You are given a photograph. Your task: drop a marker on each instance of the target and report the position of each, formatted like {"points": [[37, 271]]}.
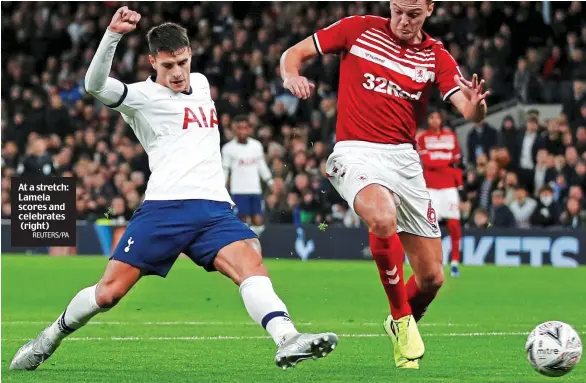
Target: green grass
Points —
{"points": [[474, 332]]}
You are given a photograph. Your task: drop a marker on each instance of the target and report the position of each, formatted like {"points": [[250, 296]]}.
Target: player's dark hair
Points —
{"points": [[167, 37], [240, 118]]}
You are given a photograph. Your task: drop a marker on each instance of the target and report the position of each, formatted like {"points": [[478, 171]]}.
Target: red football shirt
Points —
{"points": [[384, 84], [439, 150]]}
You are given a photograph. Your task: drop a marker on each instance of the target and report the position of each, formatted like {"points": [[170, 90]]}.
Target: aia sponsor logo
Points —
{"points": [[203, 119], [247, 161]]}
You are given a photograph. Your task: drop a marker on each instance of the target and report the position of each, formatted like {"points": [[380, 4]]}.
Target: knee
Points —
{"points": [[241, 260], [383, 224], [109, 293], [433, 280]]}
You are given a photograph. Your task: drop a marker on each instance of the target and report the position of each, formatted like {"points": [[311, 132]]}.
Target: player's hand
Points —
{"points": [[124, 21], [299, 86], [473, 90]]}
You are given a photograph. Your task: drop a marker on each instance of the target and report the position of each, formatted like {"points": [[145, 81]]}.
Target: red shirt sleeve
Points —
{"points": [[447, 68], [457, 158], [337, 37]]}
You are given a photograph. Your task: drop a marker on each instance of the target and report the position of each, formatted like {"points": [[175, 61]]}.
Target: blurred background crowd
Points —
{"points": [[515, 176]]}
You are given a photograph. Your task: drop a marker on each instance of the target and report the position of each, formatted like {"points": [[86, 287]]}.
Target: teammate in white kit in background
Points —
{"points": [[187, 208], [244, 166]]}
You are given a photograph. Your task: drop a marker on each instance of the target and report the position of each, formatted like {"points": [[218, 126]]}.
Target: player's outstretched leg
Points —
{"points": [[375, 204], [118, 279], [389, 257], [455, 230], [242, 262]]}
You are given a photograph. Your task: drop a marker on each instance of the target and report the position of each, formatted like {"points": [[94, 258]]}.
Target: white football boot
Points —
{"points": [[300, 347], [31, 355]]}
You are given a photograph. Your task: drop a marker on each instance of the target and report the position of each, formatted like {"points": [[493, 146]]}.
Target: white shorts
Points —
{"points": [[446, 203], [356, 164]]}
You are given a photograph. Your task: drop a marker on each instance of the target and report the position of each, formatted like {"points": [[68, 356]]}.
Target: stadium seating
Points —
{"points": [[48, 119]]}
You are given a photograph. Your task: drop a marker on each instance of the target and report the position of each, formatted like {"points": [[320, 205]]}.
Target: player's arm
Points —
{"points": [[263, 169], [467, 96], [332, 39], [457, 163], [226, 162], [108, 90]]}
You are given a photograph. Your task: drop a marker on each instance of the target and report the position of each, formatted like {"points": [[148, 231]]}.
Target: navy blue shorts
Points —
{"points": [[248, 204], [160, 230]]}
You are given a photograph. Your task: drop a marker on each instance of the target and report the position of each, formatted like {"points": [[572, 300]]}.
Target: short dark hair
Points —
{"points": [[167, 37], [241, 118]]}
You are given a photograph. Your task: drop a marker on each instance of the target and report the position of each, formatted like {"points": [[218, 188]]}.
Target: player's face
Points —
{"points": [[173, 69], [407, 17], [243, 131], [434, 121]]}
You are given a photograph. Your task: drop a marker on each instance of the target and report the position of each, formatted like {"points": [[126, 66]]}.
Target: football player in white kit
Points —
{"points": [[187, 208], [244, 166]]}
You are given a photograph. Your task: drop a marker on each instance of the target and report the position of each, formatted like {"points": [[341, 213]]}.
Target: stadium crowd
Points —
{"points": [[530, 175]]}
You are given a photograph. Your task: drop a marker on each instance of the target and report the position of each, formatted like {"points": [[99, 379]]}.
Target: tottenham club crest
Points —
{"points": [[420, 74]]}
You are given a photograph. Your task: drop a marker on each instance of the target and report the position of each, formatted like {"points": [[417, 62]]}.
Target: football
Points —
{"points": [[553, 348]]}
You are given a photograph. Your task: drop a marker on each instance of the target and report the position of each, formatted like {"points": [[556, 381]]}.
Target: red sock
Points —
{"points": [[455, 231], [389, 257], [418, 299]]}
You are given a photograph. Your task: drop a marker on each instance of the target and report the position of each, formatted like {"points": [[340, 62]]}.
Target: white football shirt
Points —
{"points": [[245, 163], [179, 131], [180, 134]]}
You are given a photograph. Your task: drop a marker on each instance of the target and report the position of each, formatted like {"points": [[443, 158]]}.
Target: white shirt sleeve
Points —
{"points": [[112, 92], [226, 160], [263, 168]]}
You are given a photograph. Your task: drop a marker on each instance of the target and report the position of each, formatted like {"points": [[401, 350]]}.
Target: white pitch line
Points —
{"points": [[250, 323], [188, 323], [222, 337]]}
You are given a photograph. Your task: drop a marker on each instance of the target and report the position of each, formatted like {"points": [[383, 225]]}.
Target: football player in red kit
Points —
{"points": [[387, 70], [440, 157]]}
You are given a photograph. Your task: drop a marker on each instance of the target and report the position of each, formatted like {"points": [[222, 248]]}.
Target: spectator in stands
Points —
{"points": [[38, 162], [522, 82], [573, 217], [522, 207], [548, 211], [574, 100], [552, 138], [481, 139], [500, 214], [509, 137], [581, 175], [580, 121], [43, 95], [528, 145], [481, 219], [509, 185], [544, 173], [487, 184]]}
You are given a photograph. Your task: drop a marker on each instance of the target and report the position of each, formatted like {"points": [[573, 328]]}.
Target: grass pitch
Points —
{"points": [[192, 326]]}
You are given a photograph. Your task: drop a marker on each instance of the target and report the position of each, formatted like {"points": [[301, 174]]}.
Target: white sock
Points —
{"points": [[266, 308], [80, 310], [257, 229]]}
